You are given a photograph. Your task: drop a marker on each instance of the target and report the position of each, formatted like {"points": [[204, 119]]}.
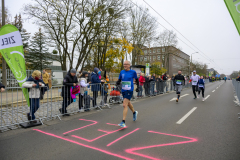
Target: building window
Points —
{"points": [[158, 58], [150, 51], [141, 58], [163, 49], [158, 50], [154, 51], [145, 58], [150, 58], [145, 51], [154, 58]]}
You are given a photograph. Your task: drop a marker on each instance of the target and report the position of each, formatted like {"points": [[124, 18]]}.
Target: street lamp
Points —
{"points": [[191, 61]]}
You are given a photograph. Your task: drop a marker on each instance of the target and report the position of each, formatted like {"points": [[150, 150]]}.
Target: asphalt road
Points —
{"points": [[187, 130]]}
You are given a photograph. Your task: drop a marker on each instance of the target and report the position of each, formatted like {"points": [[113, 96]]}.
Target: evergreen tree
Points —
{"points": [[25, 39], [39, 57]]}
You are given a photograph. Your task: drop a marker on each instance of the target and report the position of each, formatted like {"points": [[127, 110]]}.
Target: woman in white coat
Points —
{"points": [[34, 83]]}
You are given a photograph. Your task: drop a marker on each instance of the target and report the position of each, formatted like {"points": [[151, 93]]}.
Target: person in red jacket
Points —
{"points": [[141, 83]]}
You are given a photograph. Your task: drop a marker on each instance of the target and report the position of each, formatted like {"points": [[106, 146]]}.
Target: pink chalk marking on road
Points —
{"points": [[87, 146], [94, 122], [123, 137], [103, 131], [112, 124], [131, 150], [91, 140]]}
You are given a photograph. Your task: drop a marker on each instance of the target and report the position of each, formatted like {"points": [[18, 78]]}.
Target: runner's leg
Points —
{"points": [[131, 106], [203, 92], [194, 91], [125, 107]]}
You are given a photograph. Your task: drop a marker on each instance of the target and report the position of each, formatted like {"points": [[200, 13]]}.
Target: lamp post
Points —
{"points": [[191, 61]]}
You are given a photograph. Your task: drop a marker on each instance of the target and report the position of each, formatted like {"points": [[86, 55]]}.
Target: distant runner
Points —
{"points": [[194, 79], [126, 76], [179, 82], [201, 87]]}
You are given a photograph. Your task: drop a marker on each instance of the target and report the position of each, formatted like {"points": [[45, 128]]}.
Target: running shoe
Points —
{"points": [[122, 124], [195, 98], [135, 116], [176, 100], [203, 99]]}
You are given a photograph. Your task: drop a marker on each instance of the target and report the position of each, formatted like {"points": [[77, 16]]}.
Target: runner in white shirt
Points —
{"points": [[194, 79]]}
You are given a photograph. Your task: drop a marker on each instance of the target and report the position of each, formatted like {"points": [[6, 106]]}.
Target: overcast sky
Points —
{"points": [[207, 24]]}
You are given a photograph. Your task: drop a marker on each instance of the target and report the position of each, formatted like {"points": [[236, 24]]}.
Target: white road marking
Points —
{"points": [[206, 97], [174, 99], [186, 116], [184, 95], [217, 87], [213, 91]]}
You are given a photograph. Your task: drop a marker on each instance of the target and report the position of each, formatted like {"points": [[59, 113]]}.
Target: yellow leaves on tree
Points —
{"points": [[118, 49], [156, 67]]}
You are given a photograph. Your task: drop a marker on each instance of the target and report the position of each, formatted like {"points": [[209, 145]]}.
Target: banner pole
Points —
{"points": [[4, 68]]}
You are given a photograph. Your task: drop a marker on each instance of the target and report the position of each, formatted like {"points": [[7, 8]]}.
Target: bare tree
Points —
{"points": [[167, 40], [142, 29], [74, 25]]}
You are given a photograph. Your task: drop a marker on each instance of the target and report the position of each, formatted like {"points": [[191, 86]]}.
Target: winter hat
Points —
{"points": [[95, 70], [73, 71], [84, 73]]}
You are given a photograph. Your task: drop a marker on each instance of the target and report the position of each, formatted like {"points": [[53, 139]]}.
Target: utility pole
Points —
{"points": [[191, 62], [4, 68]]}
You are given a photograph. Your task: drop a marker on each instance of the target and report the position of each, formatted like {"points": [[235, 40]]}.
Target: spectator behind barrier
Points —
{"points": [[69, 81], [83, 88], [141, 83], [95, 85], [2, 87], [153, 79], [164, 77], [146, 85], [238, 79], [45, 77], [34, 83]]}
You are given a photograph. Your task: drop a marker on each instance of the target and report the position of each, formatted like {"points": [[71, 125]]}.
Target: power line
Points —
{"points": [[167, 29], [209, 59]]}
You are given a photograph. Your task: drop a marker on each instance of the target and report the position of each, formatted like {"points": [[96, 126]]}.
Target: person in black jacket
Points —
{"points": [[147, 86], [96, 82], [152, 85], [2, 87], [69, 80], [179, 82], [238, 79], [173, 82]]}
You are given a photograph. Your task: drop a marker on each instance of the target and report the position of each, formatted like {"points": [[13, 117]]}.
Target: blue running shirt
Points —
{"points": [[127, 79]]}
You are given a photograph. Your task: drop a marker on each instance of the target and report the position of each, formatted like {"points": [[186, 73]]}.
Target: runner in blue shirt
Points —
{"points": [[201, 87], [126, 76]]}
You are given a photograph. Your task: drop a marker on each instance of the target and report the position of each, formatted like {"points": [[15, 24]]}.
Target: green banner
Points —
{"points": [[11, 48], [234, 9]]}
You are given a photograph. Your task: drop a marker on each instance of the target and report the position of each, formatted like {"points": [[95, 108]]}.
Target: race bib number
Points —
{"points": [[201, 85], [179, 82], [126, 85], [195, 81]]}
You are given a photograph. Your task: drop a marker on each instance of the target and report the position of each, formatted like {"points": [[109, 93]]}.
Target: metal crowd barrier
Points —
{"points": [[236, 85], [52, 102]]}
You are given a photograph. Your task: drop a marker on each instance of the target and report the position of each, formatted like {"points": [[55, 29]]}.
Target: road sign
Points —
{"points": [[147, 69]]}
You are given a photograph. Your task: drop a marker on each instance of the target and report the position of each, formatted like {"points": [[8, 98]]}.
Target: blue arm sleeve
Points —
{"points": [[135, 75], [120, 76]]}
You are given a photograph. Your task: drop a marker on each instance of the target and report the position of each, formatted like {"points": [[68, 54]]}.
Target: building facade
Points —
{"points": [[170, 58]]}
